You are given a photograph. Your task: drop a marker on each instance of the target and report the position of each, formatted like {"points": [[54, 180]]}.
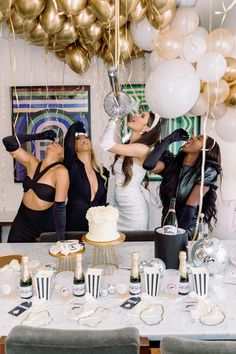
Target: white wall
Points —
{"points": [[22, 64]]}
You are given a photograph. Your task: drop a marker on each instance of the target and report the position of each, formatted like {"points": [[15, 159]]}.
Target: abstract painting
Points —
{"points": [[38, 108]]}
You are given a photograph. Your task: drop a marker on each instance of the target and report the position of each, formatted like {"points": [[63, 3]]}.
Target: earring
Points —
{"points": [[141, 133]]}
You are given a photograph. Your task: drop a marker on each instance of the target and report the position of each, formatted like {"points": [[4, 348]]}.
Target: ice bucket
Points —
{"points": [[167, 247]]}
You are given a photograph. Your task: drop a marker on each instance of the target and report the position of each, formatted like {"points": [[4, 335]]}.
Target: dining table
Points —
{"points": [[174, 317]]}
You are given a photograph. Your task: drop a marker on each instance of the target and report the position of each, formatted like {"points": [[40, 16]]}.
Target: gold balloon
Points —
{"points": [[216, 92], [20, 25], [29, 8], [72, 7], [85, 18], [37, 35], [61, 55], [68, 34], [52, 45], [126, 43], [50, 20], [122, 20], [103, 9], [107, 55], [77, 58], [161, 6], [5, 4], [231, 99], [139, 12], [4, 15], [230, 74], [93, 33], [128, 6], [161, 21], [92, 47], [137, 52]]}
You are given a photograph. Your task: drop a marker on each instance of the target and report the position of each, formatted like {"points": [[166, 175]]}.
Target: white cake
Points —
{"points": [[102, 224]]}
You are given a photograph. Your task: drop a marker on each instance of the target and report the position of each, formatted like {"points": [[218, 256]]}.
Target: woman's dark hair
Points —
{"points": [[151, 138], [213, 158], [169, 183]]}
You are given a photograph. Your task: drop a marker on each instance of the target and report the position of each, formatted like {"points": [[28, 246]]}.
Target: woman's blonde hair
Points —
{"points": [[97, 166]]}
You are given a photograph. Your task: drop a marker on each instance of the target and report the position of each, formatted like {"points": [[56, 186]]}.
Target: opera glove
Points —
{"points": [[108, 138], [60, 219], [12, 142], [155, 155]]}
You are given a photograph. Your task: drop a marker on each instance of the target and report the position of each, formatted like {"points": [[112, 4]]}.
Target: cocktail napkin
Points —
{"points": [[37, 315], [207, 313]]}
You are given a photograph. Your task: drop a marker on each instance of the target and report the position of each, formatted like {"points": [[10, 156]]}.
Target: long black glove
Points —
{"points": [[11, 144], [188, 220], [60, 219], [154, 156], [69, 143]]}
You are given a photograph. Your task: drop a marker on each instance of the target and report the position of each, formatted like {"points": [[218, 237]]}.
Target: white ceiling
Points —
{"points": [[207, 8]]}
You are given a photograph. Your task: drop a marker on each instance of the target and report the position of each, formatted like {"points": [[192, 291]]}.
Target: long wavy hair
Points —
{"points": [[151, 138], [169, 185], [97, 166], [70, 153]]}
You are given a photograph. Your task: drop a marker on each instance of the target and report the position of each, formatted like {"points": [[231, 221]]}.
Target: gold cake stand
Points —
{"points": [[104, 254], [66, 262]]}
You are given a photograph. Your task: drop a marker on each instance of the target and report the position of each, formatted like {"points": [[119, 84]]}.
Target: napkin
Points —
{"points": [[13, 265]]}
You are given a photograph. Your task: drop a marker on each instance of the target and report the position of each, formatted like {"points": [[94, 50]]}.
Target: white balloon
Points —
{"points": [[188, 3], [186, 20], [144, 34], [200, 106], [172, 88], [217, 111], [201, 32], [155, 60], [194, 47], [225, 126], [220, 40], [211, 66]]}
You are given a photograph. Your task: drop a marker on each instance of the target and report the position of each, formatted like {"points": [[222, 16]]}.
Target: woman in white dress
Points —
{"points": [[129, 173]]}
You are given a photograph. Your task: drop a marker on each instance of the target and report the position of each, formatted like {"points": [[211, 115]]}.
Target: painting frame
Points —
{"points": [[191, 124], [38, 108]]}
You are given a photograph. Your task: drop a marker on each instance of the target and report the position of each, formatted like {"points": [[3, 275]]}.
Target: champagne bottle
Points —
{"points": [[135, 278], [26, 288], [79, 280], [203, 228], [184, 278], [170, 224]]}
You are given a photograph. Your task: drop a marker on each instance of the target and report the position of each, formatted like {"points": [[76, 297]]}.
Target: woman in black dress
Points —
{"points": [[88, 179], [182, 177], [45, 189]]}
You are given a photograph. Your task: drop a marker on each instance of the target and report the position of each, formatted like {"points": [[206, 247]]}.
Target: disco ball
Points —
{"points": [[161, 265], [117, 106], [210, 253], [141, 266]]}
